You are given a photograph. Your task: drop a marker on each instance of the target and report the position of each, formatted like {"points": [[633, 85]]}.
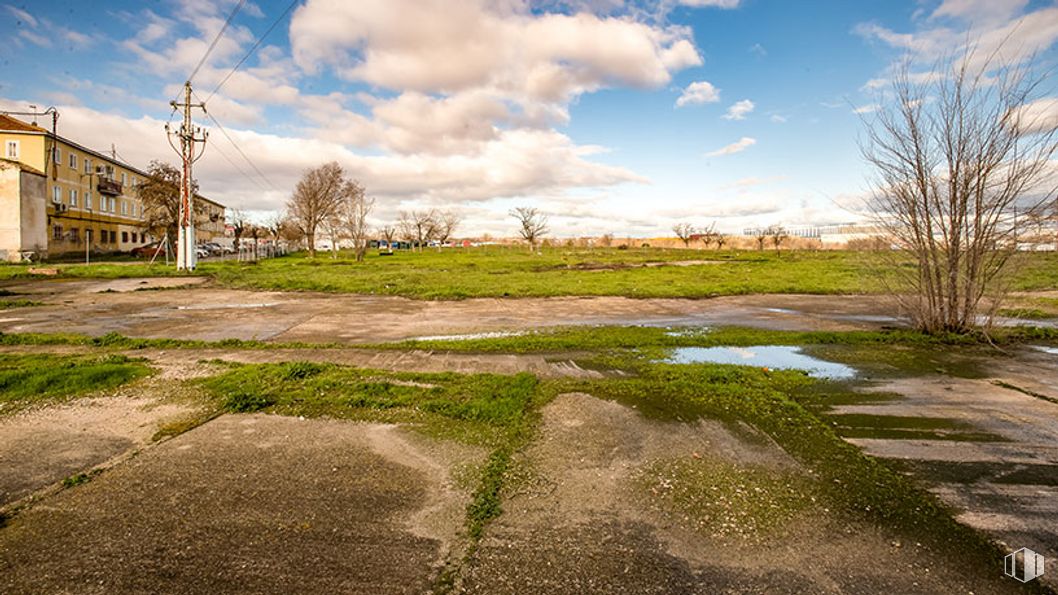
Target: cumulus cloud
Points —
{"points": [[739, 110], [736, 147], [712, 3], [435, 46], [987, 32], [697, 93]]}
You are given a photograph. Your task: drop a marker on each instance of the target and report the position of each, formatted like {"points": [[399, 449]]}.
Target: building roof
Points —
{"points": [[9, 124], [20, 165]]}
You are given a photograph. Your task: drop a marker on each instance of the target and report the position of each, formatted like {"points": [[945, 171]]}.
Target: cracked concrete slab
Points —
{"points": [[251, 503]]}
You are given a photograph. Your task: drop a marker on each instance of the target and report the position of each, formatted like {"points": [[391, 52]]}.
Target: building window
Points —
{"points": [[73, 160], [12, 149], [56, 194], [56, 156], [75, 237], [113, 204], [88, 200], [56, 232], [102, 204], [124, 208], [73, 198], [87, 165], [124, 237], [124, 178]]}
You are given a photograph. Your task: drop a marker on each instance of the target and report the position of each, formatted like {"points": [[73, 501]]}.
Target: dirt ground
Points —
{"points": [[1008, 488], [98, 307], [256, 503], [251, 503], [582, 525]]}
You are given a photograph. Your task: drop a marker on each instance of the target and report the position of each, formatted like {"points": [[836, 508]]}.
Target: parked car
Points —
{"points": [[146, 250]]}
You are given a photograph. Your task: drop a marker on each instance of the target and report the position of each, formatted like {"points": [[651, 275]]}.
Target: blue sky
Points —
{"points": [[482, 105]]}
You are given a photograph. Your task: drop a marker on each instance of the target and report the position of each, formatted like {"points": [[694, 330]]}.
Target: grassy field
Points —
{"points": [[26, 380], [509, 272], [501, 412]]}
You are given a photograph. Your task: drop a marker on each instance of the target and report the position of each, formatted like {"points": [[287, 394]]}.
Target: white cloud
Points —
{"points": [[698, 92], [712, 3], [23, 16], [777, 119], [439, 46], [739, 110], [989, 32], [867, 109], [736, 147]]}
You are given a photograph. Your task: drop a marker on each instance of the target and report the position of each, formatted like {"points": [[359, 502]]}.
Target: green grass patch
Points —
{"points": [[848, 480], [728, 501], [498, 271], [19, 303], [484, 409], [26, 380]]}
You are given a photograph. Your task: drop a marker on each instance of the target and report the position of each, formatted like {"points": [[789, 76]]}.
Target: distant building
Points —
{"points": [[89, 199]]}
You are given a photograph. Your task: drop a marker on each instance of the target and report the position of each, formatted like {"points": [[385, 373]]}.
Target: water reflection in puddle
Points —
{"points": [[778, 357]]}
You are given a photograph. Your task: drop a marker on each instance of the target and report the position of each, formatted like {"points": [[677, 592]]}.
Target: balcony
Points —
{"points": [[109, 187]]}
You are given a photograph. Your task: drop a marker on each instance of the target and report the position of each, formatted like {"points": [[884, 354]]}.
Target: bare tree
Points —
{"points": [[955, 156], [760, 235], [532, 224], [606, 240], [447, 222], [352, 215], [388, 233], [684, 231], [777, 234], [238, 222], [719, 237], [707, 235], [159, 193], [315, 199], [418, 227]]}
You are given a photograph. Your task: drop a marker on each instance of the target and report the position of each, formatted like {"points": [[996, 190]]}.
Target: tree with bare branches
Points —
{"points": [[315, 200], [447, 222], [418, 227], [353, 212], [532, 224], [760, 236], [159, 193], [777, 234], [684, 231], [956, 156], [388, 233], [606, 240], [238, 222]]}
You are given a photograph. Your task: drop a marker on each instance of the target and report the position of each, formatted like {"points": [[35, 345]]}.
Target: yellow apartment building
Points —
{"points": [[89, 197]]}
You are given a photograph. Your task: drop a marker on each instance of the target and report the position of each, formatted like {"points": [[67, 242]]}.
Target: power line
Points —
{"points": [[216, 148], [239, 150], [216, 39], [253, 49]]}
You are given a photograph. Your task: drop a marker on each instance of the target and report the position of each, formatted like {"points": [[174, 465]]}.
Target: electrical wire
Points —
{"points": [[216, 39], [238, 149], [253, 49]]}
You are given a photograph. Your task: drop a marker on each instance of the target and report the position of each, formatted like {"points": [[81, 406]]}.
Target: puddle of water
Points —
{"points": [[1046, 349], [779, 357], [469, 336], [226, 306]]}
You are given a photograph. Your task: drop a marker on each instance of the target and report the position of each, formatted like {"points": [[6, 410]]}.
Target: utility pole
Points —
{"points": [[189, 135]]}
